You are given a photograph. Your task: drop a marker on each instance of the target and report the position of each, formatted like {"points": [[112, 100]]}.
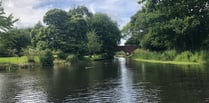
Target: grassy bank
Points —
{"points": [[171, 57], [15, 60], [167, 62]]}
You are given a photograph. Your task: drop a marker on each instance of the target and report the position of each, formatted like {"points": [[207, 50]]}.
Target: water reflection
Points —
{"points": [[127, 90], [117, 81], [132, 91]]}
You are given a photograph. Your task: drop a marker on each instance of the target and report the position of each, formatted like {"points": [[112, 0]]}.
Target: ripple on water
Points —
{"points": [[116, 94], [31, 96]]}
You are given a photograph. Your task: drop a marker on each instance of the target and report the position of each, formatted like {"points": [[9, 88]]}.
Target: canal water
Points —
{"points": [[116, 81]]}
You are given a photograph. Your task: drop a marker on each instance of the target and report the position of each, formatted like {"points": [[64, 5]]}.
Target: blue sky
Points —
{"points": [[31, 11]]}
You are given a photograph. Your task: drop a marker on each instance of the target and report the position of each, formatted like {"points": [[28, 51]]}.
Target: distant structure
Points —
{"points": [[127, 49]]}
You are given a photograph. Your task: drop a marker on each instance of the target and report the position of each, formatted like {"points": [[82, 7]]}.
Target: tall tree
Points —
{"points": [[94, 44], [81, 10], [108, 33], [14, 41], [34, 33], [172, 24], [67, 30]]}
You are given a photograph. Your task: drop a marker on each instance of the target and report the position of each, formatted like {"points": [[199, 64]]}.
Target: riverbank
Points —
{"points": [[171, 57], [16, 62], [167, 62]]}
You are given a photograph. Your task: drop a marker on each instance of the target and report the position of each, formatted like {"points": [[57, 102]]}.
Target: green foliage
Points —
{"points": [[81, 10], [13, 41], [46, 59], [172, 55], [167, 24], [35, 33], [132, 41], [6, 22], [200, 57], [143, 54], [13, 60], [65, 31], [31, 53], [169, 55], [62, 55], [107, 31], [94, 44], [72, 58], [56, 17], [184, 56]]}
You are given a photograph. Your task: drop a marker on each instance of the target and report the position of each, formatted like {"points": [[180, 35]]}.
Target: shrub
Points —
{"points": [[143, 54], [184, 56], [168, 55], [62, 55], [31, 54], [46, 58], [204, 56], [72, 58]]}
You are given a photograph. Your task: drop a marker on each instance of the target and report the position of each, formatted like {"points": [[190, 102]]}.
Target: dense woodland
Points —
{"points": [[77, 31], [182, 25]]}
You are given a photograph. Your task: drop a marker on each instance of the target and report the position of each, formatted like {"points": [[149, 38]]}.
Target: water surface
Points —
{"points": [[117, 81]]}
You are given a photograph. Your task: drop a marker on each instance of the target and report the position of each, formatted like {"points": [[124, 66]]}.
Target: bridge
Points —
{"points": [[127, 49]]}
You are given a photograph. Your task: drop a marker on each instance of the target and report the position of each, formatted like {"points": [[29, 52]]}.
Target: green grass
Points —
{"points": [[172, 57], [167, 62], [15, 60]]}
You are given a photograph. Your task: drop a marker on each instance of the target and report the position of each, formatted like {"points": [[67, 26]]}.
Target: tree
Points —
{"points": [[6, 22], [172, 24], [81, 10], [67, 31], [6, 41], [44, 38], [34, 32], [94, 44], [107, 31], [57, 18], [77, 38], [47, 58], [14, 41], [22, 39], [132, 41]]}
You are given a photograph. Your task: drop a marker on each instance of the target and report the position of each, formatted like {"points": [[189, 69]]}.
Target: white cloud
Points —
{"points": [[31, 11], [118, 10], [24, 11]]}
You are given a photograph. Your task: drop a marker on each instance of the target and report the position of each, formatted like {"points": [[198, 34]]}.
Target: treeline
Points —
{"points": [[77, 31], [181, 25]]}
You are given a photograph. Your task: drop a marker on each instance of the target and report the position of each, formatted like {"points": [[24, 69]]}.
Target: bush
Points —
{"points": [[184, 56], [204, 56], [72, 58], [168, 55], [31, 54], [46, 58], [143, 54], [172, 55], [62, 55], [201, 57]]}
